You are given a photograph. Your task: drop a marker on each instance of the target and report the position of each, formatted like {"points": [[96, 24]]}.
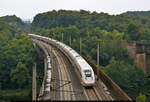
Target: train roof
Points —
{"points": [[84, 64], [77, 57]]}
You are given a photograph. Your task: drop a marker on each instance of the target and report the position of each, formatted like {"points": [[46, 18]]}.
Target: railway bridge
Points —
{"points": [[62, 80]]}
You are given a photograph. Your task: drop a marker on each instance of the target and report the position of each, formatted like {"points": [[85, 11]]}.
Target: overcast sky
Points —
{"points": [[29, 8]]}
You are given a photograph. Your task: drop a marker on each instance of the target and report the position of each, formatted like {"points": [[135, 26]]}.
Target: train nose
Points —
{"points": [[88, 78]]}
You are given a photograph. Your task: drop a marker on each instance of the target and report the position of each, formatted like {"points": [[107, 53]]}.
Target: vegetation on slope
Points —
{"points": [[16, 60]]}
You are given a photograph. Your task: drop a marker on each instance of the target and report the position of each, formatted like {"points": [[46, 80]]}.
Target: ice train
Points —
{"points": [[87, 76]]}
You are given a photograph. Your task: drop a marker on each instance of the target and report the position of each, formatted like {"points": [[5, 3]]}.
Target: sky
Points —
{"points": [[27, 9]]}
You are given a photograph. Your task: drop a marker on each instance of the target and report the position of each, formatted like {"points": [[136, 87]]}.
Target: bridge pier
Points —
{"points": [[140, 60], [45, 66], [97, 72], [34, 82], [80, 46], [136, 51]]}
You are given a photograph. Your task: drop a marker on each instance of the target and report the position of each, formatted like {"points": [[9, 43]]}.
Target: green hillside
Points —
{"points": [[138, 13], [16, 60]]}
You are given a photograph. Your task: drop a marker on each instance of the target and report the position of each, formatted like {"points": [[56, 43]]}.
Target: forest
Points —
{"points": [[16, 60], [110, 31]]}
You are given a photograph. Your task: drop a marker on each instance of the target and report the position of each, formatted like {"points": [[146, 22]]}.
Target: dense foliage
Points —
{"points": [[111, 31], [138, 13], [86, 21], [16, 60]]}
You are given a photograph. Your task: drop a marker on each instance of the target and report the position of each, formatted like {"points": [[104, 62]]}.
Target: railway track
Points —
{"points": [[77, 86], [64, 79], [91, 94], [69, 86], [55, 80], [97, 93], [63, 88], [54, 94]]}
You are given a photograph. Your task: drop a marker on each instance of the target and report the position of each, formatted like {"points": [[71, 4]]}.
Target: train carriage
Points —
{"points": [[86, 72]]}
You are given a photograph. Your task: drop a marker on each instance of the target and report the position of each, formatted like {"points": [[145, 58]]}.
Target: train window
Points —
{"points": [[87, 73]]}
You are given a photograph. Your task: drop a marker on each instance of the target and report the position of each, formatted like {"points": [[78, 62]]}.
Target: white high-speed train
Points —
{"points": [[86, 72]]}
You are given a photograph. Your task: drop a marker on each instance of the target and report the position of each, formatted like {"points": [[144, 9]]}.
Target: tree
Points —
{"points": [[141, 97], [20, 75], [132, 30], [127, 76]]}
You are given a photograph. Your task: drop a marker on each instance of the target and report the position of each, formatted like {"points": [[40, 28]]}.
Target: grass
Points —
{"points": [[17, 94]]}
